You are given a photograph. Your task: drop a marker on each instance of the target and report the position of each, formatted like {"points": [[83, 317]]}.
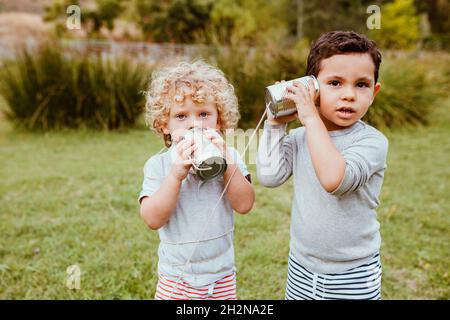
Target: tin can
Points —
{"points": [[274, 96], [208, 161]]}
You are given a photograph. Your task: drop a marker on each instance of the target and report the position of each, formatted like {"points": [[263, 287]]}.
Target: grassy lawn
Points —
{"points": [[70, 197]]}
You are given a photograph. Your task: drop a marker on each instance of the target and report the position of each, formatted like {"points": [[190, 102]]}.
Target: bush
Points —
{"points": [[49, 89], [437, 42], [410, 87]]}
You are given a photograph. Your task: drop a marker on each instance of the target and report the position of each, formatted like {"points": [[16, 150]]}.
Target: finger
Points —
{"points": [[214, 140], [290, 97], [187, 163], [188, 152], [218, 143], [186, 143], [301, 86], [179, 139], [211, 138], [297, 89], [214, 136], [183, 146], [311, 89], [209, 134], [291, 89], [300, 90], [288, 118]]}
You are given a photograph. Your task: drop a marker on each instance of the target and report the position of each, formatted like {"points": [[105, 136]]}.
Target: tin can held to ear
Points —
{"points": [[208, 161], [274, 96]]}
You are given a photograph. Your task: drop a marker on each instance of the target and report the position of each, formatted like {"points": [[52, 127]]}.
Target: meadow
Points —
{"points": [[69, 197]]}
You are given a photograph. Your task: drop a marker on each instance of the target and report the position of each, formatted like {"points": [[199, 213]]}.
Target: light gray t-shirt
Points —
{"points": [[331, 232], [194, 224]]}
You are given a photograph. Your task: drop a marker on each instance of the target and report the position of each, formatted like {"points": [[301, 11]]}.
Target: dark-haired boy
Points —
{"points": [[337, 163]]}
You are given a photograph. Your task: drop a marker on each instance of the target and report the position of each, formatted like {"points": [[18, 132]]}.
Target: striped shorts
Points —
{"points": [[223, 289], [360, 283]]}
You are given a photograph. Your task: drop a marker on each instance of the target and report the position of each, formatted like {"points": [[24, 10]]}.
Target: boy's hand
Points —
{"points": [[218, 141], [303, 97], [280, 120], [240, 192], [182, 163]]}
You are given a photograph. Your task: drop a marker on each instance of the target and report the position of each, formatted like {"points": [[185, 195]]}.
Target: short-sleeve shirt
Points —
{"points": [[199, 229]]}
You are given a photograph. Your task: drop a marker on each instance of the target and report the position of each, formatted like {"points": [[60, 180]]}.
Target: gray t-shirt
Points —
{"points": [[195, 223], [331, 232]]}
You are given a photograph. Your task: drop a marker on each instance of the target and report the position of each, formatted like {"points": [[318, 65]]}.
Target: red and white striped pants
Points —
{"points": [[223, 289]]}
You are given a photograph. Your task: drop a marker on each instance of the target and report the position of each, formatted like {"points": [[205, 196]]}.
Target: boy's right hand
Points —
{"points": [[183, 163], [281, 120]]}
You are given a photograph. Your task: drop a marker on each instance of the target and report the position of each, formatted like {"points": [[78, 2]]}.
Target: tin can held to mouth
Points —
{"points": [[208, 161], [274, 96]]}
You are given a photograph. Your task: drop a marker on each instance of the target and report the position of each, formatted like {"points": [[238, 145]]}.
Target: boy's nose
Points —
{"points": [[349, 94], [193, 123]]}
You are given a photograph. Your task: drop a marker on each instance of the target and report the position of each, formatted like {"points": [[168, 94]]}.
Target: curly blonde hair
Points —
{"points": [[203, 83]]}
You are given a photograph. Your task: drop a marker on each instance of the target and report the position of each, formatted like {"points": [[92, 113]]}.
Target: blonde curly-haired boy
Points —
{"points": [[196, 261]]}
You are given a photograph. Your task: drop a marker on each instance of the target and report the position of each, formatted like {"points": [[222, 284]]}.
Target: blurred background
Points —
{"points": [[73, 138]]}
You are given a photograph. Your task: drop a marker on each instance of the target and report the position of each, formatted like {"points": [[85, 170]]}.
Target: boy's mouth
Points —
{"points": [[346, 110]]}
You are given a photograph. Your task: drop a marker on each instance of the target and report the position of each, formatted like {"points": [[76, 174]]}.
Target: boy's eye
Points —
{"points": [[362, 84], [180, 116], [334, 82], [203, 115]]}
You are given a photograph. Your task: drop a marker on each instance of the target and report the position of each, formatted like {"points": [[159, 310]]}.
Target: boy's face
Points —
{"points": [[190, 114], [347, 89]]}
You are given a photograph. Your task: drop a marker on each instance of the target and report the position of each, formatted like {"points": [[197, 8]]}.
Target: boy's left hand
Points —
{"points": [[303, 97], [217, 140]]}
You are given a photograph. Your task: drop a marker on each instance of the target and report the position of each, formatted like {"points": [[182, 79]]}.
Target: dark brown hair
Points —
{"points": [[341, 42]]}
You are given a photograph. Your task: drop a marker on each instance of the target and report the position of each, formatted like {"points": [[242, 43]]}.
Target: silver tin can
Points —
{"points": [[274, 96], [208, 160]]}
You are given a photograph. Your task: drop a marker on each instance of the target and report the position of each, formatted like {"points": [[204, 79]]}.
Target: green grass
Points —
{"points": [[70, 197]]}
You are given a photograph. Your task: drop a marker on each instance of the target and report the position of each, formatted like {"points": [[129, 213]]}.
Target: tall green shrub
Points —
{"points": [[49, 89], [410, 88]]}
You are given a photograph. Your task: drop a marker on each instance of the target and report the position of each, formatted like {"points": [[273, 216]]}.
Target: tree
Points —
{"points": [[207, 20], [438, 18], [313, 17], [103, 14], [399, 25], [173, 21], [438, 12]]}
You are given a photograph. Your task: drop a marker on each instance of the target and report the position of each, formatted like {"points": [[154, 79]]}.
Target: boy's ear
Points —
{"points": [[218, 125], [164, 128], [376, 89]]}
